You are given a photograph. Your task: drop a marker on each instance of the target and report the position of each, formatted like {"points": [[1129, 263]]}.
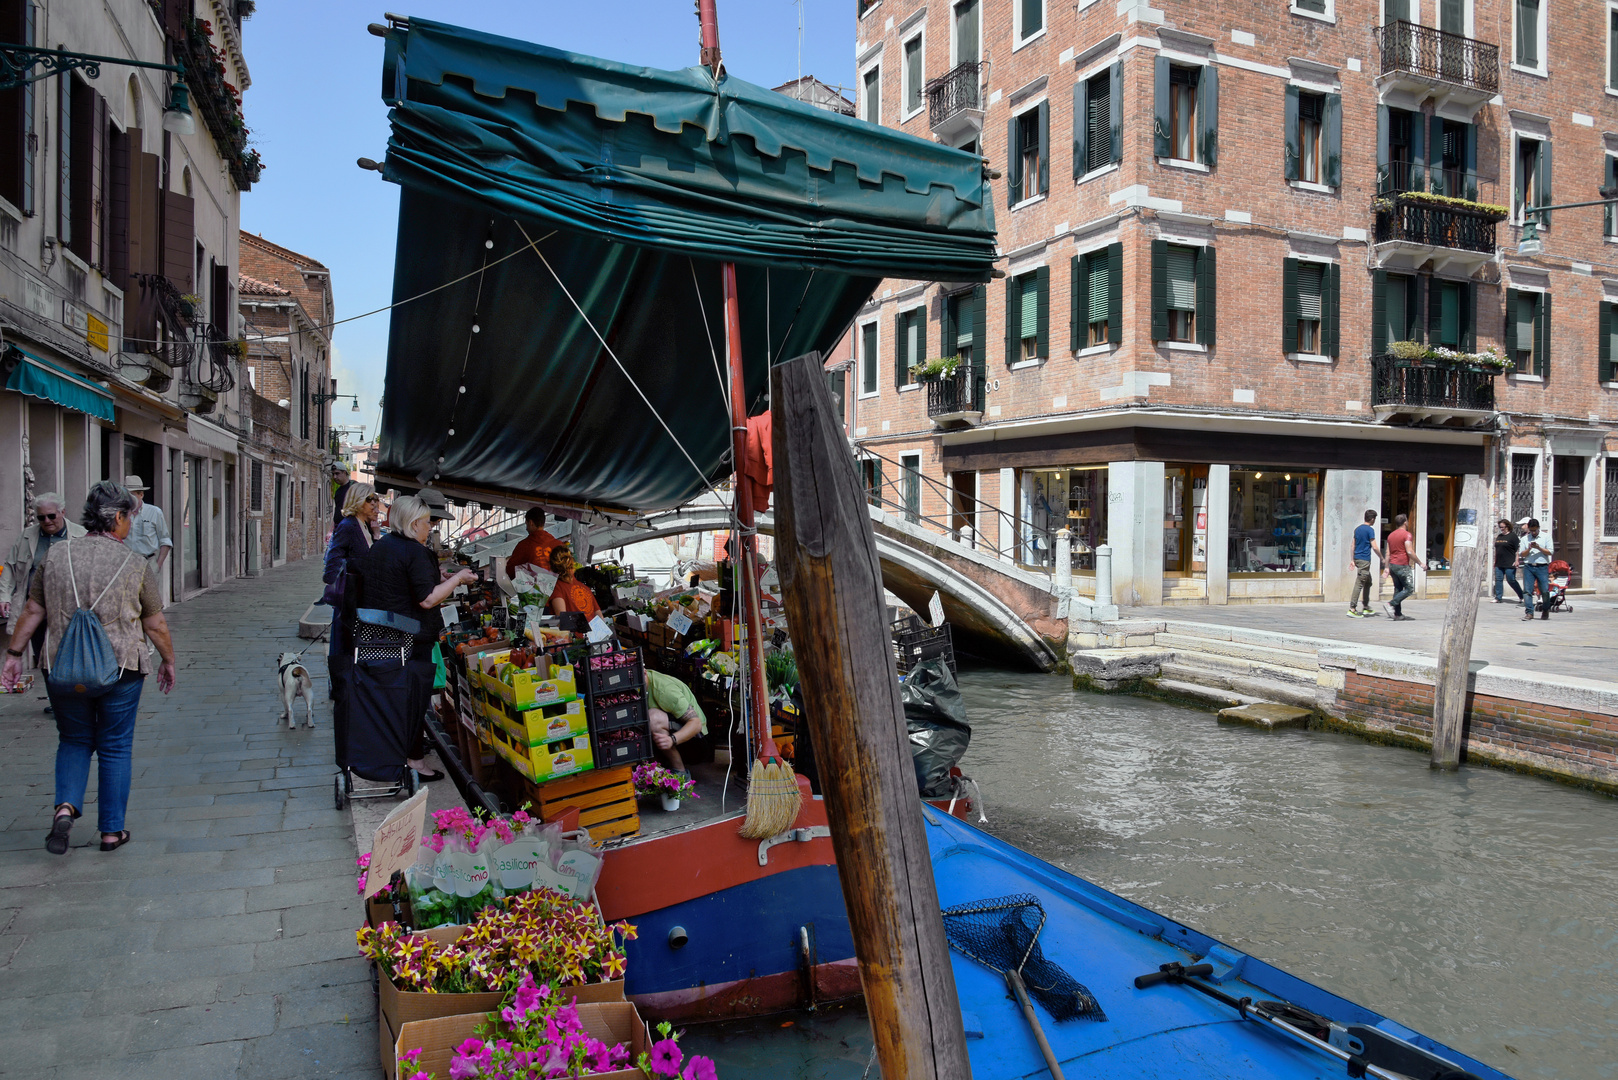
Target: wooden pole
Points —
{"points": [[833, 588], [1468, 566]]}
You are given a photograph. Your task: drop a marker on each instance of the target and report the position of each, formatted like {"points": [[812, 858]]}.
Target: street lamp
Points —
{"points": [[1530, 243], [320, 399], [17, 64]]}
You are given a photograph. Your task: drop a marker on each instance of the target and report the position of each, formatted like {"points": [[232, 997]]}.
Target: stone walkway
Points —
{"points": [[219, 942], [1579, 643]]}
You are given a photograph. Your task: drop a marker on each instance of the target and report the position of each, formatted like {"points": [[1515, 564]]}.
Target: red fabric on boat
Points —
{"points": [[760, 460]]}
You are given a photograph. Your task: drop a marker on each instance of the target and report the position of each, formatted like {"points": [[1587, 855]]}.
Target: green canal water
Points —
{"points": [[1478, 907]]}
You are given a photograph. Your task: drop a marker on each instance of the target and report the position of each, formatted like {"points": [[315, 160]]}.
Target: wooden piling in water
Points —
{"points": [[1468, 566], [832, 583]]}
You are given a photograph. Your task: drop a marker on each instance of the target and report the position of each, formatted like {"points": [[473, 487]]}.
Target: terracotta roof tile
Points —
{"points": [[248, 286]]}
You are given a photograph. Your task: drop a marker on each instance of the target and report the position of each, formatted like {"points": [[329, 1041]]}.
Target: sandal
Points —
{"points": [[123, 838], [56, 840]]}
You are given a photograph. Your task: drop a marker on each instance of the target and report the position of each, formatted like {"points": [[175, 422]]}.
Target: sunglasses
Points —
{"points": [[47, 517]]}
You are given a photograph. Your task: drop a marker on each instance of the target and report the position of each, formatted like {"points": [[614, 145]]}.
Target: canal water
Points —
{"points": [[1479, 907]]}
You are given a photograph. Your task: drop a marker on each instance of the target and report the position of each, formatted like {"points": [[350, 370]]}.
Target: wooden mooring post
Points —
{"points": [[833, 587], [1468, 566]]}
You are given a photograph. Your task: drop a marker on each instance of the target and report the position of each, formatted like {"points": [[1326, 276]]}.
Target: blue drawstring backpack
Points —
{"points": [[85, 664]]}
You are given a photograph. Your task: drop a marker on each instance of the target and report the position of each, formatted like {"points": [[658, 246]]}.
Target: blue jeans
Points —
{"points": [[1404, 583], [105, 727], [1535, 574], [1506, 574]]}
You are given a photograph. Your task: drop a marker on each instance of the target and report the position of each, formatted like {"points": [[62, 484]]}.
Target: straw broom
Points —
{"points": [[773, 798]]}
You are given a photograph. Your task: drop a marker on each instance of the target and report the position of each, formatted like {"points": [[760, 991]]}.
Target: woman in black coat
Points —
{"points": [[350, 543]]}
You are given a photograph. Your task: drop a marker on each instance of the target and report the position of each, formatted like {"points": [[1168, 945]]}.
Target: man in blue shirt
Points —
{"points": [[1359, 601]]}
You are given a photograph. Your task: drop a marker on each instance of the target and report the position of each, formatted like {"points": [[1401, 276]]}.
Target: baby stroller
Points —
{"points": [[386, 699], [1557, 600]]}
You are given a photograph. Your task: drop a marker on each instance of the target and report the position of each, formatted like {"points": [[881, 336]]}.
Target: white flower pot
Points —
{"points": [[670, 803]]}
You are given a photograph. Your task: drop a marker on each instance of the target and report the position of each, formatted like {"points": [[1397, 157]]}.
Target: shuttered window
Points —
{"points": [[256, 488], [1449, 315], [1182, 262], [1528, 33], [1027, 316], [1033, 17], [1099, 121], [1028, 139], [1099, 289], [868, 358], [1609, 180], [966, 31], [913, 74], [1186, 112], [1309, 275], [1396, 293], [910, 344], [1316, 6], [1606, 353], [871, 106], [1525, 330], [1612, 48], [1309, 307], [1528, 331]]}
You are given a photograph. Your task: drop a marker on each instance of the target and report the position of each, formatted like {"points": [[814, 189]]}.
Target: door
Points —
{"points": [[191, 522], [912, 487], [1398, 497], [1567, 508], [280, 510]]}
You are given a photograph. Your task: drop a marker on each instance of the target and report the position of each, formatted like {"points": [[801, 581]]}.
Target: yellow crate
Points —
{"points": [[547, 760], [547, 723], [526, 692]]}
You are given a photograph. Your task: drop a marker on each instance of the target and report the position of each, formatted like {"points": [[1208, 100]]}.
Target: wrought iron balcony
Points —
{"points": [[1430, 392], [1433, 65], [1412, 230], [955, 101], [956, 398]]}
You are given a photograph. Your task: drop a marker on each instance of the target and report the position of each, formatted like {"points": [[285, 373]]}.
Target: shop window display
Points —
{"points": [[1274, 521], [1074, 499], [1440, 516]]}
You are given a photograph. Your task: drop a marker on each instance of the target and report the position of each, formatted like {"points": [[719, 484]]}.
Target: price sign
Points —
{"points": [[679, 622], [599, 630], [452, 615], [393, 845], [935, 609]]}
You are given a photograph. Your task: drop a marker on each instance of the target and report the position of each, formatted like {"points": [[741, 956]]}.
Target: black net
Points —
{"points": [[1003, 934]]}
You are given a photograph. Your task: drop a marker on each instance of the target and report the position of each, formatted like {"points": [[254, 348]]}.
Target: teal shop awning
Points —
{"points": [[44, 380], [634, 184]]}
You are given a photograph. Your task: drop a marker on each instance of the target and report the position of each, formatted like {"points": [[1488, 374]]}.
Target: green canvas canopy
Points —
{"points": [[546, 184]]}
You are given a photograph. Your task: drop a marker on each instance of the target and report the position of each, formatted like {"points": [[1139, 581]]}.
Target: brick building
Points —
{"points": [[1258, 259], [286, 310], [118, 232]]}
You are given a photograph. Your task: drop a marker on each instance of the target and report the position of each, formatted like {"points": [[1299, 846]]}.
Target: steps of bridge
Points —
{"points": [[1265, 654], [1205, 695], [1256, 686]]}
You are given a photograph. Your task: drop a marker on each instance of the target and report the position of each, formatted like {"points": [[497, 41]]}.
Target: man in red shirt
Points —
{"points": [[1400, 554], [535, 548]]}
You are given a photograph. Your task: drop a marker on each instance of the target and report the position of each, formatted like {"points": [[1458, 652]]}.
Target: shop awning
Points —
{"points": [[44, 380], [636, 184]]}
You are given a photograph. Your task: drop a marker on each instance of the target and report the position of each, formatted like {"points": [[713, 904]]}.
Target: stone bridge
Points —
{"points": [[995, 609]]}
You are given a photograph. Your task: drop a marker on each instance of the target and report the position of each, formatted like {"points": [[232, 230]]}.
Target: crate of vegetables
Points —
{"points": [[626, 746], [613, 672], [609, 712]]}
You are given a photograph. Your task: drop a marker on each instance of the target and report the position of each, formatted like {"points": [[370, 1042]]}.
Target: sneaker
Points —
{"points": [[1355, 613], [1498, 600], [1404, 618], [1393, 612], [1369, 614]]}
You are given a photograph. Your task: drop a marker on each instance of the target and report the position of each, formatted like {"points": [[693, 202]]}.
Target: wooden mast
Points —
{"points": [[832, 582]]}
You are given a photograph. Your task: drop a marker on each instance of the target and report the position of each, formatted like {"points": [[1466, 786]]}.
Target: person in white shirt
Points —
{"points": [[1534, 556], [51, 527], [149, 529]]}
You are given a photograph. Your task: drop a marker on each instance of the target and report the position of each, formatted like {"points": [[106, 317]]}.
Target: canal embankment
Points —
{"points": [[1541, 697]]}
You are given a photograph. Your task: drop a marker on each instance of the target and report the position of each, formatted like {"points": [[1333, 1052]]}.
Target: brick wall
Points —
{"points": [[1570, 743]]}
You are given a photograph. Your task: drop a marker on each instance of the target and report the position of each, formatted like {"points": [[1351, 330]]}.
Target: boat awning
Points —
{"points": [[44, 380], [582, 209]]}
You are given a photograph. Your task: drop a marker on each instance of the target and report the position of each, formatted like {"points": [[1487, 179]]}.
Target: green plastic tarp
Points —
{"points": [[44, 380], [537, 180]]}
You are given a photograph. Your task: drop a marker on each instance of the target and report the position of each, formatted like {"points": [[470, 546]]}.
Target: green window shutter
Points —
{"points": [[1512, 303], [1182, 278], [1290, 129], [980, 326], [1042, 324], [1081, 128], [901, 339], [1418, 134], [1384, 182], [1449, 322], [1545, 181], [1379, 312], [1208, 114], [1098, 306], [1608, 226], [1469, 316], [1115, 294], [1435, 148], [1435, 311], [1207, 302], [948, 342], [1329, 311], [1078, 292], [1542, 336], [1311, 291], [1160, 290], [1032, 17], [1161, 130], [1331, 137], [1413, 300], [1013, 310], [1471, 161], [920, 315], [1289, 296], [1604, 343], [1115, 111], [1013, 163], [1044, 146]]}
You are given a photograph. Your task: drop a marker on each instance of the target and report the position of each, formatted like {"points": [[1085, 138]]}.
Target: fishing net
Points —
{"points": [[1003, 934]]}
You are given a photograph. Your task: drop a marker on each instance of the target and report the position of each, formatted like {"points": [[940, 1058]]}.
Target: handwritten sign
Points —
{"points": [[394, 844], [452, 614], [599, 630], [679, 622], [1466, 528], [935, 609]]}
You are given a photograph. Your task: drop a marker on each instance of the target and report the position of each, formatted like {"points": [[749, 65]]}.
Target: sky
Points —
{"points": [[314, 106]]}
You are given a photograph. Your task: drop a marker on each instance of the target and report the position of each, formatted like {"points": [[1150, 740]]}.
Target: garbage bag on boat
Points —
{"points": [[936, 718]]}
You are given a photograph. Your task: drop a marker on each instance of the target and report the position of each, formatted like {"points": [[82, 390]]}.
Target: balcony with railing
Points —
{"points": [[956, 400], [1426, 64], [1431, 393], [1449, 225], [955, 103]]}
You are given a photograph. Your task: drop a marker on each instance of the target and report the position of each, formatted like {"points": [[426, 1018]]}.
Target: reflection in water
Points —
{"points": [[1479, 907]]}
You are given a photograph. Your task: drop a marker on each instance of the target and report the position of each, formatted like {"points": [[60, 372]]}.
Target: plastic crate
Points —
{"points": [[914, 642], [604, 718], [626, 746], [614, 680]]}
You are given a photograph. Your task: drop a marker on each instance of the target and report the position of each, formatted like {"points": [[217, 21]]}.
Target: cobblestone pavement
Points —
{"points": [[1578, 643], [220, 941]]}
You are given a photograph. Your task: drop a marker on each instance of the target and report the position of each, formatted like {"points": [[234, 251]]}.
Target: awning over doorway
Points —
{"points": [[44, 380], [546, 179]]}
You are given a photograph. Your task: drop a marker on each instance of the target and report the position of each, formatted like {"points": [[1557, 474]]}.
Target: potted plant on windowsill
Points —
{"points": [[1385, 203], [939, 367], [1490, 361]]}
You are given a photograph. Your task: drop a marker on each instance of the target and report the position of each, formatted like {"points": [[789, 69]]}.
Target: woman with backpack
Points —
{"points": [[99, 603]]}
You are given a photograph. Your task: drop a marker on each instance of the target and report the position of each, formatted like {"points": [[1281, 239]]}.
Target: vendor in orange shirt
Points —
{"points": [[534, 549], [570, 593]]}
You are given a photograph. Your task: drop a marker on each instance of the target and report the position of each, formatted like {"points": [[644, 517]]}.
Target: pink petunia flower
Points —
{"points": [[666, 1057], [701, 1068]]}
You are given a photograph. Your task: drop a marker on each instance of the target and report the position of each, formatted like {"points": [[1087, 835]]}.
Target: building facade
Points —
{"points": [[118, 248], [1263, 269], [286, 312]]}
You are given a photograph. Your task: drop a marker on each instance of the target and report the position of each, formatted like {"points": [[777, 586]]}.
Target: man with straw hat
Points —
{"points": [[148, 528]]}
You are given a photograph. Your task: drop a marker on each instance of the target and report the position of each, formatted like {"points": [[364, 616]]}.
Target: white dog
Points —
{"points": [[296, 683]]}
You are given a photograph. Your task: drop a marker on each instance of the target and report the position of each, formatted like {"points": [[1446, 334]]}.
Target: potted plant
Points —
{"points": [[670, 787], [939, 367]]}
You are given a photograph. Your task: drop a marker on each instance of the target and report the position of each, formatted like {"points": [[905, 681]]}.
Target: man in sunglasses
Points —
{"points": [[49, 527]]}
